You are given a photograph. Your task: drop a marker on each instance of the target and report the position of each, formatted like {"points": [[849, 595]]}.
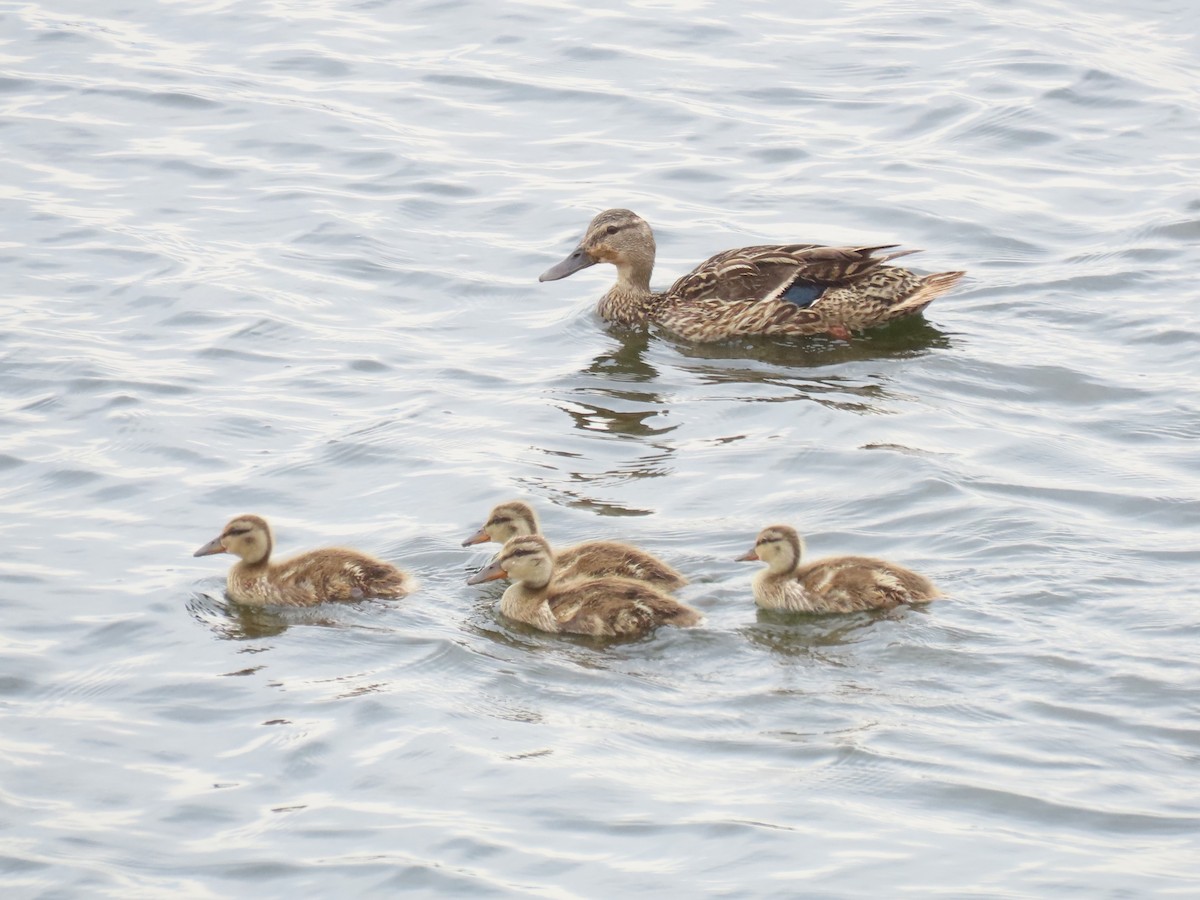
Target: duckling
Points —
{"points": [[835, 585], [305, 580], [789, 289], [591, 559], [601, 607]]}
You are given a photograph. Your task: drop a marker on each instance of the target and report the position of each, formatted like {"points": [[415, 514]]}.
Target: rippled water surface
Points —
{"points": [[282, 258]]}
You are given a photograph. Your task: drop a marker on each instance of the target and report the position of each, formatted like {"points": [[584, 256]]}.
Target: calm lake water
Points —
{"points": [[282, 258]]}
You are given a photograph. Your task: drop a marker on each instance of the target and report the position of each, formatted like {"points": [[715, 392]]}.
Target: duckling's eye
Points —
{"points": [[499, 521], [237, 532], [613, 229]]}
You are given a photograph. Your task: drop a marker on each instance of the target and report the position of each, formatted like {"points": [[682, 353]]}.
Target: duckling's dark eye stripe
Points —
{"points": [[517, 553], [234, 532]]}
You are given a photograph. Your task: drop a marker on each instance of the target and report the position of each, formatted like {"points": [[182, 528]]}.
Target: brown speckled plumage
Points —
{"points": [[742, 291], [600, 607], [591, 559], [305, 580], [837, 584]]}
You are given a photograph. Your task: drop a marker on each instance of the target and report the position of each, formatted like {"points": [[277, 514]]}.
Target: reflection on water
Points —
{"points": [[607, 401], [777, 362], [837, 392], [902, 339], [598, 403], [238, 622], [235, 622], [811, 635], [626, 361], [625, 411], [624, 404], [629, 423]]}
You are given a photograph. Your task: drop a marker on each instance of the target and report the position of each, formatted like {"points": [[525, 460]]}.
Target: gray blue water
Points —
{"points": [[282, 258]]}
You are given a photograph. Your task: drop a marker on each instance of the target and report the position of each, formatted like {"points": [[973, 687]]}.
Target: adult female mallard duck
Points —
{"points": [[591, 559], [601, 607], [304, 580], [835, 585], [788, 289]]}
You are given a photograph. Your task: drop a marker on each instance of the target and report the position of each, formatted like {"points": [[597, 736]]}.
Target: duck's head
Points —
{"points": [[616, 236], [779, 546], [504, 522], [248, 537], [527, 559]]}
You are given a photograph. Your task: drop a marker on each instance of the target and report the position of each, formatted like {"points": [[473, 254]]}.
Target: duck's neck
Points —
{"points": [[783, 568], [245, 581], [247, 569], [630, 301], [773, 591], [526, 604]]}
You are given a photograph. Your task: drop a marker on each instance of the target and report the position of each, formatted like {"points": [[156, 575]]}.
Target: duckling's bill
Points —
{"points": [[749, 556], [213, 546], [479, 537], [490, 572]]}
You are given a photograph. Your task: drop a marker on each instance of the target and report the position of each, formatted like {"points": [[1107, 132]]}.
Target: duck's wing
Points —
{"points": [[795, 273], [343, 575], [848, 583], [598, 558], [608, 607]]}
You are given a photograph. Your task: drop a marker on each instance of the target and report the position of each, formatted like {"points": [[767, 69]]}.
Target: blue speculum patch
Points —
{"points": [[803, 293]]}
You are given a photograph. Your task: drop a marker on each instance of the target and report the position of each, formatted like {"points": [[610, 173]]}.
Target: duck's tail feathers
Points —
{"points": [[930, 288], [890, 256]]}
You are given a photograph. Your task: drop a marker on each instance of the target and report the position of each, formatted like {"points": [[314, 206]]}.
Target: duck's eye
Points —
{"points": [[499, 522], [237, 532], [613, 229]]}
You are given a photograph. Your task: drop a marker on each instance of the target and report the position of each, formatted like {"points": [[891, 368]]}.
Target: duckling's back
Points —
{"points": [[850, 583], [319, 576], [616, 607], [600, 559]]}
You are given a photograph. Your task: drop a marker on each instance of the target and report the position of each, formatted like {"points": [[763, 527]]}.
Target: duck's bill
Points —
{"points": [[573, 263], [213, 546], [490, 572], [749, 556], [479, 537]]}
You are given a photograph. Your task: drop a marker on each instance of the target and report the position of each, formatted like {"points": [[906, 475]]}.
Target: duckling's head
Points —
{"points": [[506, 521], [527, 559], [246, 536], [615, 236], [779, 546]]}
